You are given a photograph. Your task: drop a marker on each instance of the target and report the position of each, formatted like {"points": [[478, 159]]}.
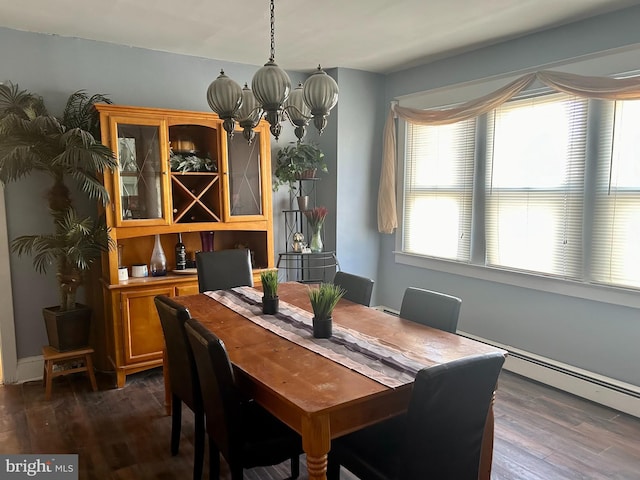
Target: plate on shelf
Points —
{"points": [[186, 271]]}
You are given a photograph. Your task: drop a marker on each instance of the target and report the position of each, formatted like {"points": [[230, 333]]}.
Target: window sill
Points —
{"points": [[598, 293]]}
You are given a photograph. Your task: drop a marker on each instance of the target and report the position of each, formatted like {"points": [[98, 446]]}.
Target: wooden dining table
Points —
{"points": [[317, 397]]}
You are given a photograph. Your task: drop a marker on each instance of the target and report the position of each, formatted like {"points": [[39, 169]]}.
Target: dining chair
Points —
{"points": [[242, 431], [440, 436], [183, 377], [224, 269], [358, 288], [434, 309]]}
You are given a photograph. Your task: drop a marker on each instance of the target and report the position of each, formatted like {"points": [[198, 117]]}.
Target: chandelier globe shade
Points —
{"points": [[224, 96], [297, 111], [320, 95], [249, 114], [271, 86]]}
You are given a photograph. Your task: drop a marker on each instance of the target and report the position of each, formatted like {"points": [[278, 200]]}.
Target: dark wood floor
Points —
{"points": [[541, 433]]}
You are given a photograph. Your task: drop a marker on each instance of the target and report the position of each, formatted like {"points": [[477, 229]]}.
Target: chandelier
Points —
{"points": [[271, 96]]}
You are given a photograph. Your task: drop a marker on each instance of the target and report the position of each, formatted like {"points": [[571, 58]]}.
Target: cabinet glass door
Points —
{"points": [[142, 176], [244, 177]]}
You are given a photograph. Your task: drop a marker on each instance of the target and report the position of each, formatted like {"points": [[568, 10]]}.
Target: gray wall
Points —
{"points": [[54, 67], [595, 336], [360, 120]]}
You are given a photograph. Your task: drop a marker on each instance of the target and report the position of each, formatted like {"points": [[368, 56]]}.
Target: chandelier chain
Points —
{"points": [[273, 34]]}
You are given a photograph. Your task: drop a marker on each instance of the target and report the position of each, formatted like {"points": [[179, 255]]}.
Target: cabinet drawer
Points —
{"points": [[187, 289]]}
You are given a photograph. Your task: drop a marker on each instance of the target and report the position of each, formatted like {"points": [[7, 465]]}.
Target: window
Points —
{"points": [[439, 187], [616, 258], [548, 185], [535, 185]]}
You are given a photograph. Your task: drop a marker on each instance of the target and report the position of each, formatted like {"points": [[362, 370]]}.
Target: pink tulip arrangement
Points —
{"points": [[316, 217]]}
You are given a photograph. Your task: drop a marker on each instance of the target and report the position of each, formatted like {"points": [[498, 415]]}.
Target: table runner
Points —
{"points": [[347, 347]]}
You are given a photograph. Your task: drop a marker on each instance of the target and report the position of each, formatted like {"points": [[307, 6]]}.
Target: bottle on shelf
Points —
{"points": [[158, 262], [181, 254]]}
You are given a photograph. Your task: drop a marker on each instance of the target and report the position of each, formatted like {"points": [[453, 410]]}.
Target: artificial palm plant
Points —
{"points": [[66, 148]]}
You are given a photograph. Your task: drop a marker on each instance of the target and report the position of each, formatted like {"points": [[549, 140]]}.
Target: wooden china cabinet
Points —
{"points": [[228, 205]]}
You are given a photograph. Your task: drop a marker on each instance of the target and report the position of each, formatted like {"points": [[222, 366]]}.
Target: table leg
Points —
{"points": [[486, 453], [316, 442]]}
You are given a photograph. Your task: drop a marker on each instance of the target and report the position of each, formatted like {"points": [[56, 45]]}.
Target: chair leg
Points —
{"points": [[214, 461], [237, 473], [295, 467], [198, 449], [176, 423], [333, 468]]}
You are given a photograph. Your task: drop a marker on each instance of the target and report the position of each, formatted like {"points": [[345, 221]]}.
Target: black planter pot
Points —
{"points": [[68, 330], [322, 328], [270, 305]]}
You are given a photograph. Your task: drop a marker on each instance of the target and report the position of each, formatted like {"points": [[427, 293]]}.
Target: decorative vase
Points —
{"points": [[206, 238], [158, 262], [322, 327], [303, 202], [270, 305], [316, 240]]}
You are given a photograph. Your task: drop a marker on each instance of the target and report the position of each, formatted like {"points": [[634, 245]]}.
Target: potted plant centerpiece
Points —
{"points": [[295, 162], [323, 300], [32, 140], [270, 300]]}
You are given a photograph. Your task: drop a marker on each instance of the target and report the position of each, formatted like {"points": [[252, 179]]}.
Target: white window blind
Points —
{"points": [[438, 190], [535, 184], [616, 250]]}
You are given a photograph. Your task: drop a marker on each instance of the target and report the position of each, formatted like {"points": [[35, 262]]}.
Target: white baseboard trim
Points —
{"points": [[607, 391], [29, 369], [596, 392]]}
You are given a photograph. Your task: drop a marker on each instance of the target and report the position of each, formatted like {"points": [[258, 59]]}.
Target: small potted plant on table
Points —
{"points": [[270, 300], [323, 300]]}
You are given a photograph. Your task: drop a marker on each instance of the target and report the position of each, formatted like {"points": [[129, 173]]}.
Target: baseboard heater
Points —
{"points": [[589, 385]]}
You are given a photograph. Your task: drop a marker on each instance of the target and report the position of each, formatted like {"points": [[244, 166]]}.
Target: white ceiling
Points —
{"points": [[372, 35]]}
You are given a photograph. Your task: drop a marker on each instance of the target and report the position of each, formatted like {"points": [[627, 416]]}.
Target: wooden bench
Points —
{"points": [[53, 357]]}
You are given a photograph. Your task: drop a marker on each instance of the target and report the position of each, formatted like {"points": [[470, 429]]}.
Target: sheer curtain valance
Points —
{"points": [[603, 88]]}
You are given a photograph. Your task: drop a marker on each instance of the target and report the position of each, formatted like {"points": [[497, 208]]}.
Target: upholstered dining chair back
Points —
{"points": [[358, 288], [441, 435], [224, 269], [183, 376], [447, 416], [434, 309], [245, 433]]}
